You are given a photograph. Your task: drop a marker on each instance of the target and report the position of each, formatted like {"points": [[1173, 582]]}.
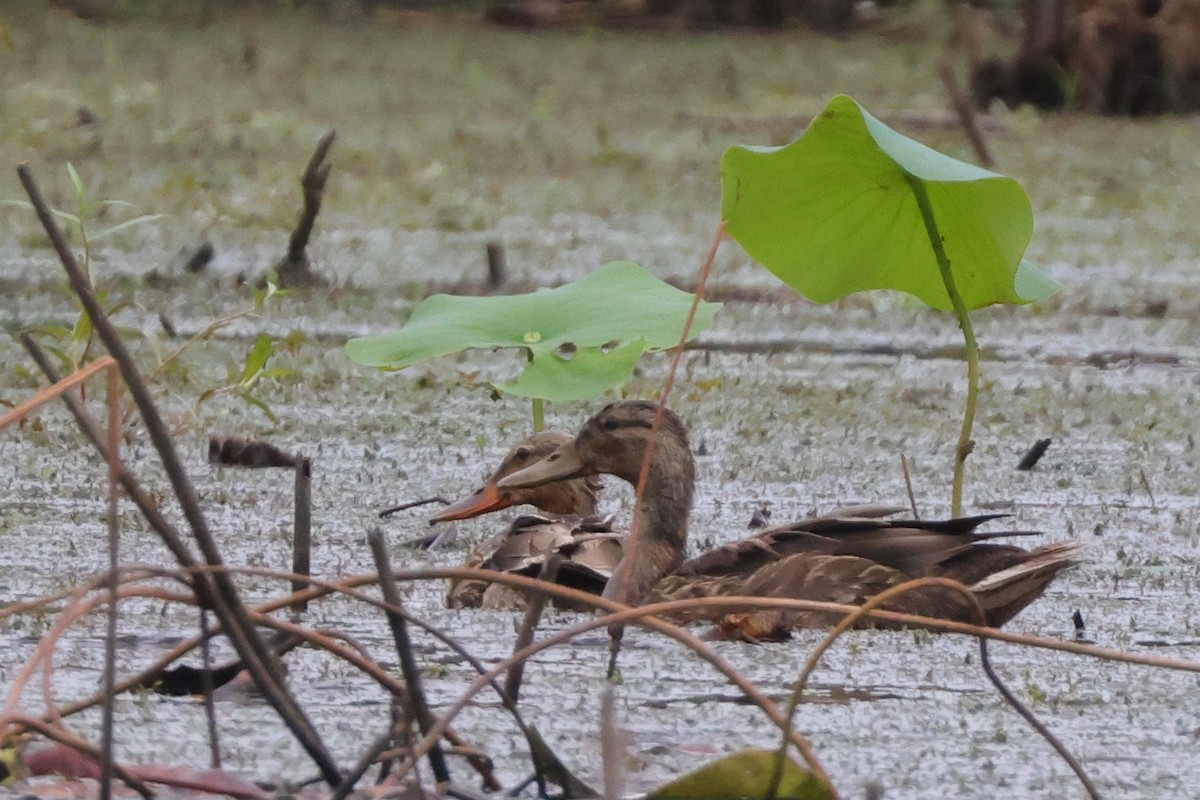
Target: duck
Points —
{"points": [[568, 526], [845, 558]]}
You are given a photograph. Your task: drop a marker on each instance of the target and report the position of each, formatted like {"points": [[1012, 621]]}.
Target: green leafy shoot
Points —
{"points": [[577, 340], [79, 340], [853, 205], [253, 370], [72, 345]]}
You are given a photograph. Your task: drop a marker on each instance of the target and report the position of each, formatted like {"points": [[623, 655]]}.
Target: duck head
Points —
{"points": [[576, 497], [616, 442]]}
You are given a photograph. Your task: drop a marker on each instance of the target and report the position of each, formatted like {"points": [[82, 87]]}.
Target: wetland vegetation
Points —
{"points": [[574, 149]]}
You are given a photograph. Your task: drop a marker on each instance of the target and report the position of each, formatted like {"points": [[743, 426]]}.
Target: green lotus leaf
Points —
{"points": [[744, 774], [835, 212], [605, 321], [588, 371]]}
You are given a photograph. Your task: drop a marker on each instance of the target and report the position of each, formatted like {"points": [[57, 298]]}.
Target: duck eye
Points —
{"points": [[522, 454], [609, 425]]}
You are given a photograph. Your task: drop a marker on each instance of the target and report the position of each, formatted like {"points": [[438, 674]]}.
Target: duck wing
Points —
{"points": [[744, 556], [914, 547], [527, 542], [599, 552]]}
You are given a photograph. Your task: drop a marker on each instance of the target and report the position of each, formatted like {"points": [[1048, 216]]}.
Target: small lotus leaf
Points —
{"points": [[606, 319], [588, 372], [745, 774], [834, 213]]}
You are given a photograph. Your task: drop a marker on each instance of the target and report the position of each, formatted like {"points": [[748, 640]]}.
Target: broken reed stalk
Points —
{"points": [[497, 265], [302, 529], [294, 269], [1033, 455], [408, 662], [227, 604], [112, 398], [313, 182]]}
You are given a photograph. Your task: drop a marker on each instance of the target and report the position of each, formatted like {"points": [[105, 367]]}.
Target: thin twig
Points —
{"points": [[1039, 726], [912, 497], [112, 400], [387, 512], [368, 757], [210, 703], [966, 115], [59, 389], [620, 574], [408, 663]]}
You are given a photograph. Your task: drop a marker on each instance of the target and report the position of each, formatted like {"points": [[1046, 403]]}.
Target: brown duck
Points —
{"points": [[845, 559], [568, 527]]}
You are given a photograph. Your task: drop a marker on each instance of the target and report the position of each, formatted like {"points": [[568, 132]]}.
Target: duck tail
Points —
{"points": [[1004, 593]]}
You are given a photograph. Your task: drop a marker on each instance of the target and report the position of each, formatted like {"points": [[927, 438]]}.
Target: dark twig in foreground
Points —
{"points": [[114, 583], [1034, 722], [368, 757], [408, 663], [260, 662], [302, 529]]}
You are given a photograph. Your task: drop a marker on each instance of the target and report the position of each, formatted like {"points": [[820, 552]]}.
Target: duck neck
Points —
{"points": [[660, 525]]}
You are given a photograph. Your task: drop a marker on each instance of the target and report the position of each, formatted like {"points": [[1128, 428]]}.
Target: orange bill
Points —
{"points": [[484, 500]]}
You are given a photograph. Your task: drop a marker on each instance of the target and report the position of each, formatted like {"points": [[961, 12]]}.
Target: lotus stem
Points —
{"points": [[539, 405], [539, 414], [965, 443]]}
